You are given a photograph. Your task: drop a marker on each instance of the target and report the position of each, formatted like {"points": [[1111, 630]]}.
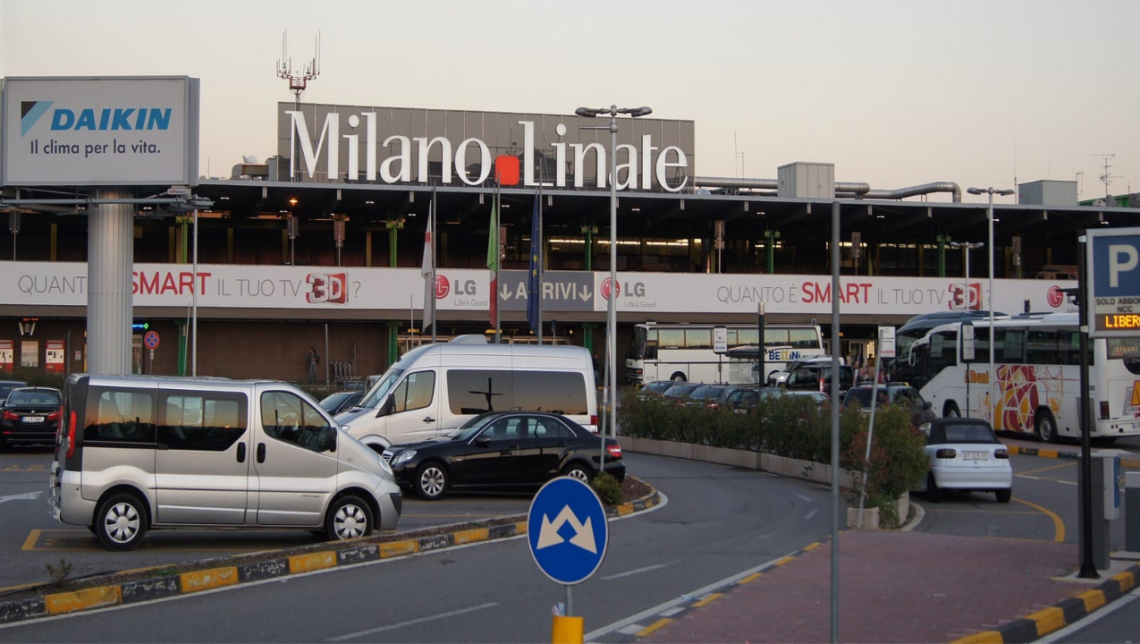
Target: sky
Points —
{"points": [[893, 92]]}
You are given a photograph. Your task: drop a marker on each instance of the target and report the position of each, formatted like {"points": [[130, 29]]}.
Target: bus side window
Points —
{"points": [[1041, 347], [651, 344]]}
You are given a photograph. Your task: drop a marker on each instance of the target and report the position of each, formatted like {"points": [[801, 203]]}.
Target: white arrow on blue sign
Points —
{"points": [[567, 530]]}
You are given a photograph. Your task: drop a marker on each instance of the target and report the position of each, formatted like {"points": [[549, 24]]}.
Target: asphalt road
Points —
{"points": [[717, 522]]}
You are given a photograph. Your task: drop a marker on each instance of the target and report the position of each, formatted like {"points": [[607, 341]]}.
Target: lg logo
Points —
{"points": [[1056, 297], [607, 284], [442, 287]]}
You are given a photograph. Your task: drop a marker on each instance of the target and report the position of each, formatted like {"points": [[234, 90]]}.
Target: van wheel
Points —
{"points": [[951, 411], [348, 517], [1003, 496], [933, 492], [1046, 426], [120, 522], [577, 471], [431, 481]]}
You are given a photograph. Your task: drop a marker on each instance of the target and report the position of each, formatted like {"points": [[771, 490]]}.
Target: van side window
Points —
{"points": [[209, 422], [119, 416], [415, 392], [289, 419]]}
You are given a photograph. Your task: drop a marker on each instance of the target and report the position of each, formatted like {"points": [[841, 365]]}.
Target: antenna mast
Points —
{"points": [[1106, 177], [298, 83], [738, 154]]}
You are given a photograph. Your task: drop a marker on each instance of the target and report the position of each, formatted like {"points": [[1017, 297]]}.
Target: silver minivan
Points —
{"points": [[136, 452]]}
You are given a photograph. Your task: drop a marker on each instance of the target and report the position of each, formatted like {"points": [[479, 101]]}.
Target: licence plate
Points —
{"points": [[975, 456], [33, 419]]}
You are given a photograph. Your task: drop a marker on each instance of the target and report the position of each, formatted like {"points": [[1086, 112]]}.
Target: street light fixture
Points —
{"points": [[610, 385], [991, 191]]}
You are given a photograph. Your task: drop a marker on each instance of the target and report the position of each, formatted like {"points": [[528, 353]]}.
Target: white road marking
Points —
{"points": [[810, 514], [805, 498], [412, 622], [633, 572], [1038, 478], [30, 496]]}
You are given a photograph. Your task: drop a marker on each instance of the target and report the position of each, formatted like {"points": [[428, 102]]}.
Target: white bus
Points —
{"points": [[1037, 384], [661, 351]]}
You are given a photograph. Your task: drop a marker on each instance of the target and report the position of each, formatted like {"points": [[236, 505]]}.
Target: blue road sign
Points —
{"points": [[1113, 270], [567, 530]]}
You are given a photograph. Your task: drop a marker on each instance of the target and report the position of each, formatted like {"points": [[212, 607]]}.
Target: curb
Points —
{"points": [[1126, 463], [674, 611], [186, 583], [1062, 614]]}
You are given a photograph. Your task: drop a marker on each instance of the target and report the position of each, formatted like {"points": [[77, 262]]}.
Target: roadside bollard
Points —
{"points": [[567, 630], [1132, 511]]}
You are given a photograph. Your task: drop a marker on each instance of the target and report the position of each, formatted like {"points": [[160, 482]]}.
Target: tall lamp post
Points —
{"points": [[991, 191], [611, 308]]}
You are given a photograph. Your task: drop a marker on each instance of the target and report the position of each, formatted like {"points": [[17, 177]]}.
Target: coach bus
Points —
{"points": [[1037, 381], [660, 351]]}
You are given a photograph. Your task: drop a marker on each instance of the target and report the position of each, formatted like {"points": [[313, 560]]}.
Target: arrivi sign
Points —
{"points": [[641, 296]]}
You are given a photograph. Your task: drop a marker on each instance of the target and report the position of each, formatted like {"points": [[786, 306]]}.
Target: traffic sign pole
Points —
{"points": [[1088, 569]]}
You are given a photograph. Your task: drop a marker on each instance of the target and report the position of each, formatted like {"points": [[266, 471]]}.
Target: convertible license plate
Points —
{"points": [[975, 456], [33, 419]]}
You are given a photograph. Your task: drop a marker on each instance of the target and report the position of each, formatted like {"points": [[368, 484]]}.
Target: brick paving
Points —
{"points": [[893, 587]]}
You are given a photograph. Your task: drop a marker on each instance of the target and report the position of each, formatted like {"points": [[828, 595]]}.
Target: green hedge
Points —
{"points": [[796, 428]]}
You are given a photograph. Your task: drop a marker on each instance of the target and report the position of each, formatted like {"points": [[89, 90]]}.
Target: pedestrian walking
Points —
{"points": [[314, 360]]}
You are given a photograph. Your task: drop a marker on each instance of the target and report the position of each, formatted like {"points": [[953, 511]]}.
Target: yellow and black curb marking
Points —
{"points": [[45, 604], [1126, 463], [633, 632], [1066, 612]]}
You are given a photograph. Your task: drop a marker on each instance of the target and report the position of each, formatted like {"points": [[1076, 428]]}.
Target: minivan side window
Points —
{"points": [[289, 419], [122, 416], [474, 391], [415, 392], [206, 421]]}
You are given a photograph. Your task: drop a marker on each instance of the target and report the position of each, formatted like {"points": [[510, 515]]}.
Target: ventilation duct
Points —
{"points": [[845, 189]]}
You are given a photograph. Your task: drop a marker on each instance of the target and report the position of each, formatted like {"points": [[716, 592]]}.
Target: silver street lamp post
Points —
{"points": [[991, 191], [610, 386]]}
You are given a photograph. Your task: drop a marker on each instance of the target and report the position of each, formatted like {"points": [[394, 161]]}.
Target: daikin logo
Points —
{"points": [[92, 119], [645, 163]]}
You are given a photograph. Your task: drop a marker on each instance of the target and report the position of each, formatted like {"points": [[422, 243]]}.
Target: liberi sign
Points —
{"points": [[381, 144]]}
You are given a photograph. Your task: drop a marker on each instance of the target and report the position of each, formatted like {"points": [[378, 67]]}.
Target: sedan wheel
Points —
{"points": [[578, 472], [431, 481], [1004, 496], [933, 492], [349, 517]]}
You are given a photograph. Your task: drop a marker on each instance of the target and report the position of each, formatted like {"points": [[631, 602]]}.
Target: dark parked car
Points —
{"points": [[745, 400], [710, 396], [29, 415], [513, 449], [816, 376], [893, 394], [680, 391], [6, 387], [341, 401], [653, 389]]}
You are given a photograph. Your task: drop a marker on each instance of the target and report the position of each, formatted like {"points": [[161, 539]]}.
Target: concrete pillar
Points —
{"points": [[110, 253]]}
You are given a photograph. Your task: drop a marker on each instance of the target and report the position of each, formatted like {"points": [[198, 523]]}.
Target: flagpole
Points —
{"points": [[498, 260], [431, 215], [541, 267]]}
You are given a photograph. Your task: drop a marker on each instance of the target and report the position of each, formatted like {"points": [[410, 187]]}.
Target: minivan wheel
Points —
{"points": [[577, 471], [431, 481], [120, 522], [348, 517]]}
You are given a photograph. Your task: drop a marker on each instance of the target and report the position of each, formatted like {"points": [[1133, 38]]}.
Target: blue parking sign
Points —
{"points": [[567, 530], [1113, 270]]}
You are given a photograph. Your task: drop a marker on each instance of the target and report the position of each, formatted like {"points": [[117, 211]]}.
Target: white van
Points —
{"points": [[139, 452], [435, 388]]}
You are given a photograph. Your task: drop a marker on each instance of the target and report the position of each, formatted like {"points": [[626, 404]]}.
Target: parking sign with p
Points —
{"points": [[1113, 269]]}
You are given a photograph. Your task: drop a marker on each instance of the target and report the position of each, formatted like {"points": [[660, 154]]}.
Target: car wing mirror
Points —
{"points": [[482, 441], [328, 439], [927, 405]]}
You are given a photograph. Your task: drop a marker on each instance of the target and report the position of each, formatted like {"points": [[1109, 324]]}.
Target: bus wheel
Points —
{"points": [[1046, 426], [678, 377], [951, 411]]}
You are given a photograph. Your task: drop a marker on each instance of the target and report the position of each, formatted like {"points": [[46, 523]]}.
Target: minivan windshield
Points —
{"points": [[378, 392]]}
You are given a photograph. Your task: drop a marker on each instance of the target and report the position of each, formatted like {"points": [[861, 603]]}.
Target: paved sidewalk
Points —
{"points": [[894, 587]]}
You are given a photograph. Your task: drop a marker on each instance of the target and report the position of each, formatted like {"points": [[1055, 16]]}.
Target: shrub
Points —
{"points": [[608, 488], [898, 461]]}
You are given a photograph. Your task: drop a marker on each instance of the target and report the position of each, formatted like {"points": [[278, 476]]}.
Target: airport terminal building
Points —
{"points": [[322, 245]]}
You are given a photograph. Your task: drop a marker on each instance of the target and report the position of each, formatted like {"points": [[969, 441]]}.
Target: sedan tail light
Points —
{"points": [[55, 415], [945, 453], [1001, 452], [10, 415], [614, 451]]}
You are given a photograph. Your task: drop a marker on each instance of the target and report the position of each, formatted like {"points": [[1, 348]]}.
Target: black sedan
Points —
{"points": [[29, 415], [503, 450], [341, 401]]}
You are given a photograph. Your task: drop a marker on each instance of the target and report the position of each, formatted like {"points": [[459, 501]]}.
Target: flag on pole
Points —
{"points": [[428, 271], [534, 278], [493, 260]]}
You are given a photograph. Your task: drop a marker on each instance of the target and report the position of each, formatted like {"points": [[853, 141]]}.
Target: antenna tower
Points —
{"points": [[1106, 177], [738, 154], [298, 83]]}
